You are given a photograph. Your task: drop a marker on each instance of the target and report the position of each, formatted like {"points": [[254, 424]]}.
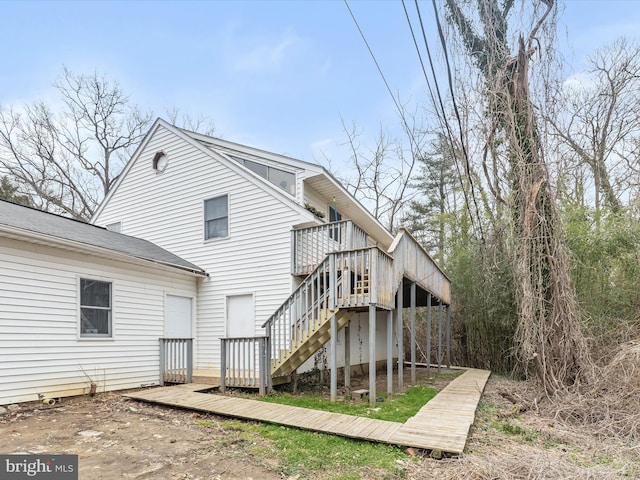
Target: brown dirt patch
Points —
{"points": [[116, 438]]}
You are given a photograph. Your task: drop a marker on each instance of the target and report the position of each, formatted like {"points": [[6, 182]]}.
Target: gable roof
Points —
{"points": [[205, 148], [314, 175], [18, 219]]}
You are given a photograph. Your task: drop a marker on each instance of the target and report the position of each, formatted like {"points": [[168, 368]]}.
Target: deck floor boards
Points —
{"points": [[442, 424]]}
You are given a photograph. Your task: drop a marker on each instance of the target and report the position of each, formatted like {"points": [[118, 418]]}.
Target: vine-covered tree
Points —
{"points": [[549, 323]]}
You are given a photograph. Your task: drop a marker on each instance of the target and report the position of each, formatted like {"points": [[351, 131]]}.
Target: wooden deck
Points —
{"points": [[442, 424]]}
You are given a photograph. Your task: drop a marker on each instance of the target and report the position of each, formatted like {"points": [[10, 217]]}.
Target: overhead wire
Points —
{"points": [[455, 107], [439, 106], [440, 113], [384, 79]]}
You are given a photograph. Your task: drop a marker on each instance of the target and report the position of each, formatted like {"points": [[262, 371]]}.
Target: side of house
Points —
{"points": [[73, 312], [230, 209]]}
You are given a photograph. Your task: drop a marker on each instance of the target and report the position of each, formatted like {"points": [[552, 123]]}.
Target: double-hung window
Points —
{"points": [[95, 308], [216, 217]]}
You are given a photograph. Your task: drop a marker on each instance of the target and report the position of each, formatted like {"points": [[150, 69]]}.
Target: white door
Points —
{"points": [[241, 316], [177, 317]]}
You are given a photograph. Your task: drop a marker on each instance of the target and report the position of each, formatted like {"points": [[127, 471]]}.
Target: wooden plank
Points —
{"points": [[443, 423]]}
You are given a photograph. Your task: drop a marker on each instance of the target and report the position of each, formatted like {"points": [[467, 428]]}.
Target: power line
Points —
{"points": [[440, 112], [455, 108], [380, 72]]}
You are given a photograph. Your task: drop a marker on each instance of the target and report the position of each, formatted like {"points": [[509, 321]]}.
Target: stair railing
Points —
{"points": [[302, 311]]}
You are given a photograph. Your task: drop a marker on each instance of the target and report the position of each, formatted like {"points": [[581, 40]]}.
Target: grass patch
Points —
{"points": [[304, 454], [513, 429], [399, 409]]}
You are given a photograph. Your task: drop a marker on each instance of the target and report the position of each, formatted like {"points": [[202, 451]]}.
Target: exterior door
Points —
{"points": [[241, 316], [178, 317]]}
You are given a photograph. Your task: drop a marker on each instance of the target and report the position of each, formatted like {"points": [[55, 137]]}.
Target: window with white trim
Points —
{"points": [[95, 308], [216, 217], [281, 178]]}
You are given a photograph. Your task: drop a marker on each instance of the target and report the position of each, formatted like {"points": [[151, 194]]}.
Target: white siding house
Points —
{"points": [[248, 218], [81, 305]]}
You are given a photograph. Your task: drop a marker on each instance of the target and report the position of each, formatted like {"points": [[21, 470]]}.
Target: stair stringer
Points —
{"points": [[314, 340]]}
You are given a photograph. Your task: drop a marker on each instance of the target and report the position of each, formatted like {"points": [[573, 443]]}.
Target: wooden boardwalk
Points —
{"points": [[442, 424]]}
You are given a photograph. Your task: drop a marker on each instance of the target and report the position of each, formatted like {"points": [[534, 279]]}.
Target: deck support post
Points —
{"points": [[347, 357], [190, 360], [372, 355], [389, 354], [413, 332], [262, 370], [162, 361], [399, 327], [439, 335], [428, 334], [448, 337], [332, 359], [223, 365]]}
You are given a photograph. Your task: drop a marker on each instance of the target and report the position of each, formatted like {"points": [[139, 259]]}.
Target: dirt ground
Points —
{"points": [[117, 438]]}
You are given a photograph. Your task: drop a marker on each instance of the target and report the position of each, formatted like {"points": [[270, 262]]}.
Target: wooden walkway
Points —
{"points": [[442, 424]]}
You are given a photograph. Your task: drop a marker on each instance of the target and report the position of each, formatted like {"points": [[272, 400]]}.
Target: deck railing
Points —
{"points": [[344, 279], [412, 261], [176, 360], [311, 245], [244, 363]]}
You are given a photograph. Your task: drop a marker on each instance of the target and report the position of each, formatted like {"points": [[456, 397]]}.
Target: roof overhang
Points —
{"points": [[350, 208]]}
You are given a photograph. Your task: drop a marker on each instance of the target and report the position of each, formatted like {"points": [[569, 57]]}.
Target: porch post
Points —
{"points": [[448, 337], [439, 335], [189, 360], [400, 338], [332, 359], [223, 364], [389, 354], [413, 333], [428, 334], [347, 357], [372, 355], [162, 360]]}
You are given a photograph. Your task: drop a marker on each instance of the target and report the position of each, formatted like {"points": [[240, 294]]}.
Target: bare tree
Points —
{"points": [[201, 124], [549, 324], [66, 162], [383, 173], [599, 120]]}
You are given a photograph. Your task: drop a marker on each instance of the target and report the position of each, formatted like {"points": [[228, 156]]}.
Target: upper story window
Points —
{"points": [[334, 215], [95, 308], [216, 217], [285, 180]]}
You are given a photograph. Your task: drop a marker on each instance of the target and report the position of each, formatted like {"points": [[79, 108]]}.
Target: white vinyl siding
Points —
{"points": [[41, 353], [256, 258]]}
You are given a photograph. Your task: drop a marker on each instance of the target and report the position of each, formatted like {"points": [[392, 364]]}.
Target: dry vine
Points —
{"points": [[549, 327]]}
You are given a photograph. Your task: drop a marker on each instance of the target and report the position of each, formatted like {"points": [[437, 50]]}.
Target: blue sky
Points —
{"points": [[276, 75]]}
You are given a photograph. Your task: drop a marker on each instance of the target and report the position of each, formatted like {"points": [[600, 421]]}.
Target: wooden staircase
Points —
{"points": [[309, 343]]}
